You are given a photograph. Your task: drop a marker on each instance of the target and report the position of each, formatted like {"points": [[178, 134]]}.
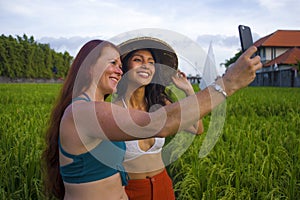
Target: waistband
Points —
{"points": [[158, 177]]}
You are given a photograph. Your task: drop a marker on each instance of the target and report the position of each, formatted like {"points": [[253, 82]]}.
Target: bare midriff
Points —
{"points": [[108, 188]]}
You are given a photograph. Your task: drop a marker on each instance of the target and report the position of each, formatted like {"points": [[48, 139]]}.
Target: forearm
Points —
{"points": [[196, 128], [188, 111]]}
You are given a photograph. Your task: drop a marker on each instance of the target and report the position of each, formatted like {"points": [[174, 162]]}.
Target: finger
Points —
{"points": [[256, 62], [250, 51], [179, 75], [175, 76], [183, 74], [258, 66]]}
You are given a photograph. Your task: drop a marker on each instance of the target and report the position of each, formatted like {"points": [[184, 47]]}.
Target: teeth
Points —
{"points": [[115, 79], [143, 74]]}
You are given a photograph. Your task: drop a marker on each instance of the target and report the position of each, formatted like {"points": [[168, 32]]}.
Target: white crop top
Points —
{"points": [[133, 149]]}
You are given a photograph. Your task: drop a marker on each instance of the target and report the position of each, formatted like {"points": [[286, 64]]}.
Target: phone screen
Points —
{"points": [[245, 37]]}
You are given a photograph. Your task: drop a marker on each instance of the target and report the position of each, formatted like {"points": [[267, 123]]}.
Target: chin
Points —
{"points": [[113, 90]]}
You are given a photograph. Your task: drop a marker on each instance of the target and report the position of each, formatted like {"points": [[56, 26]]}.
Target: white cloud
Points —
{"points": [[68, 24], [280, 5]]}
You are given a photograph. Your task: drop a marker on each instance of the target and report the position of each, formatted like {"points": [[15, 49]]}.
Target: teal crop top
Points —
{"points": [[101, 162]]}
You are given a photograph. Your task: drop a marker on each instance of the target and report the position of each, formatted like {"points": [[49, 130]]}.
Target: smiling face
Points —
{"points": [[141, 67], [109, 68]]}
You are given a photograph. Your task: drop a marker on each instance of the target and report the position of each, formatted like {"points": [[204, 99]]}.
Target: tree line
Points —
{"points": [[22, 57]]}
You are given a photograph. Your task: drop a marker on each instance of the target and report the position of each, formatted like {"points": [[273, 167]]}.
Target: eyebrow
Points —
{"points": [[136, 54]]}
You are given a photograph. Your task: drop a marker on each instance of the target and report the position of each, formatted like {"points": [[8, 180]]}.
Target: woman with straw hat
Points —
{"points": [[149, 65]]}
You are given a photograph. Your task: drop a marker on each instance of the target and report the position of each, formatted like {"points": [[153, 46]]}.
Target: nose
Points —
{"points": [[119, 71], [145, 65]]}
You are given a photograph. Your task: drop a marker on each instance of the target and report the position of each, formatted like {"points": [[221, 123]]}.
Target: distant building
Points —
{"points": [[194, 79], [280, 55]]}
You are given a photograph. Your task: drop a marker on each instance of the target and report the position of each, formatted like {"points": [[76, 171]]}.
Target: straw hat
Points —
{"points": [[163, 53]]}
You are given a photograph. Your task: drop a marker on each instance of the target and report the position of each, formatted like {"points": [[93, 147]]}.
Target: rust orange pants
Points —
{"points": [[158, 187]]}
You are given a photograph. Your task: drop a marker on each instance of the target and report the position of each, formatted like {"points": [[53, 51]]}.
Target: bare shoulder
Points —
{"points": [[67, 120]]}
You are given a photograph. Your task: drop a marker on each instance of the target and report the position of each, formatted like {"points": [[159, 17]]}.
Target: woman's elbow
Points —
{"points": [[200, 130]]}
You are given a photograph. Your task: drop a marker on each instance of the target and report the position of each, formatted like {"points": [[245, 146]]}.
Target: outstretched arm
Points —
{"points": [[105, 120]]}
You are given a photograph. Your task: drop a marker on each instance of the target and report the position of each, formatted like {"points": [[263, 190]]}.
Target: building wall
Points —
{"points": [[268, 76], [272, 53], [297, 81]]}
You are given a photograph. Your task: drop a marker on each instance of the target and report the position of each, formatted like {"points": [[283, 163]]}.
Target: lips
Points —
{"points": [[144, 74], [115, 79]]}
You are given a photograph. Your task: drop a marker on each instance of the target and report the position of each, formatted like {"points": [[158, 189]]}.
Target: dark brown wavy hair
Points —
{"points": [[77, 81]]}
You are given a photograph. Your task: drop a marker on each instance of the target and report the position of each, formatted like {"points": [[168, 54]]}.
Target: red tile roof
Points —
{"points": [[280, 38], [290, 57]]}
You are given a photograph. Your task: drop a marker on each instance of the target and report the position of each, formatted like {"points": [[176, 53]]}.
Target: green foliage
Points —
{"points": [[256, 157], [22, 57], [25, 109], [233, 59], [176, 94]]}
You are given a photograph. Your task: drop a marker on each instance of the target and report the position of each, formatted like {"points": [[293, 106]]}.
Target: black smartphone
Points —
{"points": [[245, 37]]}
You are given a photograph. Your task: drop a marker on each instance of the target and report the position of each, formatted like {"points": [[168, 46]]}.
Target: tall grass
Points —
{"points": [[24, 109], [256, 157]]}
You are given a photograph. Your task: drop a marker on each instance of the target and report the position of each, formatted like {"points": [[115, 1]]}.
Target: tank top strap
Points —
{"points": [[85, 98], [63, 151]]}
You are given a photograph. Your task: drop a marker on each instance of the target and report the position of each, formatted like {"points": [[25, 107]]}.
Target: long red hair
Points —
{"points": [[76, 82]]}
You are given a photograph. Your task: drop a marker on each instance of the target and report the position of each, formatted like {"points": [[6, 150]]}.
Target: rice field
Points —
{"points": [[24, 109], [256, 157]]}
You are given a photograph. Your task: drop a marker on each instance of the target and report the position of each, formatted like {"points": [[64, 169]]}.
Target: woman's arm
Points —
{"points": [[106, 120], [180, 80]]}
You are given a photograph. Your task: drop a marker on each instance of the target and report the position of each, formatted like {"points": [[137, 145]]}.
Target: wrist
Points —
{"points": [[189, 92], [226, 84], [219, 88]]}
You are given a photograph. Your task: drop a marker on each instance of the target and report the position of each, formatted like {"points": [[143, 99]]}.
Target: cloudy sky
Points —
{"points": [[67, 25]]}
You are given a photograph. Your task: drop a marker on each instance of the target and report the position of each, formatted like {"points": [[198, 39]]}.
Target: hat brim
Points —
{"points": [[164, 54]]}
